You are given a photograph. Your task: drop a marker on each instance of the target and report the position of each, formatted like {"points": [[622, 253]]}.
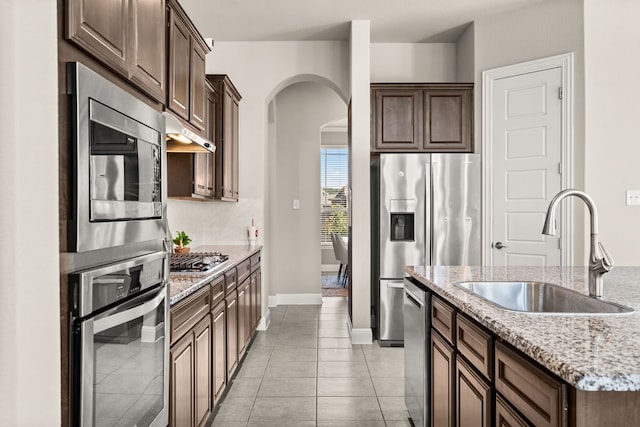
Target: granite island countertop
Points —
{"points": [[182, 285], [590, 352]]}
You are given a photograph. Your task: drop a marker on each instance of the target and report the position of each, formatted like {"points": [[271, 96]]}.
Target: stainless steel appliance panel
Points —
{"points": [[391, 322], [120, 343], [455, 198], [114, 108], [402, 206], [416, 309]]}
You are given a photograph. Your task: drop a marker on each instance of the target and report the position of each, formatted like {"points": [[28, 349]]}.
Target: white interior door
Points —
{"points": [[527, 136]]}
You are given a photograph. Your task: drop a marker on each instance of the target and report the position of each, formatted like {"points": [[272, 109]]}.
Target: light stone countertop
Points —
{"points": [[182, 285], [590, 352]]}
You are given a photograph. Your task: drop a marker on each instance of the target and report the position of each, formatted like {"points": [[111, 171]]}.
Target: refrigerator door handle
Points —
{"points": [[397, 285], [427, 214]]}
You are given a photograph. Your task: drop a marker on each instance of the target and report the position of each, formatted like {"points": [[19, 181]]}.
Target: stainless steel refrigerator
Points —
{"points": [[426, 212]]}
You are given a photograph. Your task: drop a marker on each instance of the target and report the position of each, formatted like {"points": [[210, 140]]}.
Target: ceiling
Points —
{"points": [[393, 21]]}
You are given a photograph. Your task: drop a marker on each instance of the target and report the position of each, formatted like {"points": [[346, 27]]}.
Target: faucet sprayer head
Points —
{"points": [[549, 227]]}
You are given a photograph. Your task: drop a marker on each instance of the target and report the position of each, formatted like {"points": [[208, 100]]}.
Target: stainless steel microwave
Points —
{"points": [[119, 194]]}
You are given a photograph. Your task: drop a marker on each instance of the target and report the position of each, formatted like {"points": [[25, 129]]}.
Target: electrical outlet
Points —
{"points": [[296, 204], [633, 197]]}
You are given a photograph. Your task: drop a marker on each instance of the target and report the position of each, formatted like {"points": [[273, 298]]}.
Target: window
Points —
{"points": [[333, 192]]}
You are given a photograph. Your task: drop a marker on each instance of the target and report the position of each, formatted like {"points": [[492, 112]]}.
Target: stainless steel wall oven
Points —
{"points": [[120, 332], [117, 261], [119, 164]]}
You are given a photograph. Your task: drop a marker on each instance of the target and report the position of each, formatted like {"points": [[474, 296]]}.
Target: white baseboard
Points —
{"points": [[360, 335], [152, 333], [264, 323], [295, 299], [329, 268]]}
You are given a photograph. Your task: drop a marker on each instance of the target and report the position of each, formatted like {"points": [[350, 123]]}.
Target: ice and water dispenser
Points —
{"points": [[402, 220]]}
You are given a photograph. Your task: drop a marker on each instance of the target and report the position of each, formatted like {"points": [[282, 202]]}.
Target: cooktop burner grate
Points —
{"points": [[196, 261]]}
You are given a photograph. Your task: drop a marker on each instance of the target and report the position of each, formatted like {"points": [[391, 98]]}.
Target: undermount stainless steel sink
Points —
{"points": [[541, 298]]}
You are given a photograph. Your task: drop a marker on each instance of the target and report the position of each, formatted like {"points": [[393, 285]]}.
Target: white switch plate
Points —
{"points": [[633, 197], [296, 204]]}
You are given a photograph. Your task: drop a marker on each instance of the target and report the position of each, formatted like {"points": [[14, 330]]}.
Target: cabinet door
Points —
{"points": [[101, 28], [473, 397], [179, 61], [243, 311], [442, 381], [232, 333], [202, 370], [397, 119], [248, 309], [148, 44], [219, 351], [506, 416], [203, 174], [197, 91], [256, 310], [447, 118], [181, 382], [227, 147], [235, 111]]}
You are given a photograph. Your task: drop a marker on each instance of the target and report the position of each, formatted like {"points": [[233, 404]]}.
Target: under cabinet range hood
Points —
{"points": [[182, 140]]}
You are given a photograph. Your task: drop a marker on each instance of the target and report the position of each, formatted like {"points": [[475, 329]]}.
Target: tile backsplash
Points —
{"points": [[216, 222]]}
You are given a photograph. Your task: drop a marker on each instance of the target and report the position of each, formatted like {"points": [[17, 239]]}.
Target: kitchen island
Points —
{"points": [[595, 358]]}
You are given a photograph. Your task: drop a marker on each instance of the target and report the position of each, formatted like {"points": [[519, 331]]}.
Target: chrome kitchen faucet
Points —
{"points": [[600, 262]]}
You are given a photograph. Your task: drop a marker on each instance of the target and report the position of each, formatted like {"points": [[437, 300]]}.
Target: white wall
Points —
{"points": [[612, 67], [539, 31], [413, 62], [29, 306], [259, 70], [360, 268], [465, 55], [300, 110]]}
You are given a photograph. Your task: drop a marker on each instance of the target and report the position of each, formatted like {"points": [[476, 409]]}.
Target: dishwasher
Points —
{"points": [[417, 319]]}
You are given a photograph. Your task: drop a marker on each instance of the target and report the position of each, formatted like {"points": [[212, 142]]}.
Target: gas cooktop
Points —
{"points": [[196, 262]]}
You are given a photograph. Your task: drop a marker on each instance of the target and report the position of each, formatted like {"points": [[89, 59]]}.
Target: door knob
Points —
{"points": [[499, 245]]}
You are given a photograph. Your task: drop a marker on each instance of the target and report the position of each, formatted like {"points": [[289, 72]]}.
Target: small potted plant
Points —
{"points": [[181, 240]]}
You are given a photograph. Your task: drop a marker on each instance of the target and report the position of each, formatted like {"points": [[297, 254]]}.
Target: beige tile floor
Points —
{"points": [[303, 371]]}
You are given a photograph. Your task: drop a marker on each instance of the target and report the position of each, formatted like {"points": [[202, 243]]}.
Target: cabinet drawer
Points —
{"points": [[541, 398], [244, 269], [217, 290], [443, 318], [230, 280], [475, 345], [255, 261], [506, 416], [185, 314]]}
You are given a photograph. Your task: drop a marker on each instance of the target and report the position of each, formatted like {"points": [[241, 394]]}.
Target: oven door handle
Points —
{"points": [[119, 318]]}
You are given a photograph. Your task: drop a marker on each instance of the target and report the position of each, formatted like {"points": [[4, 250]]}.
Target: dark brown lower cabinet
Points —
{"points": [[210, 332], [506, 416], [181, 382], [256, 297], [190, 377], [218, 351], [473, 397], [243, 324], [537, 395], [202, 373], [443, 379], [232, 332]]}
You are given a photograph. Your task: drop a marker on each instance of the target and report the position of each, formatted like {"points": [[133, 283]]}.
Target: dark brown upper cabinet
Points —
{"points": [[226, 127], [412, 117], [126, 35], [187, 50]]}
